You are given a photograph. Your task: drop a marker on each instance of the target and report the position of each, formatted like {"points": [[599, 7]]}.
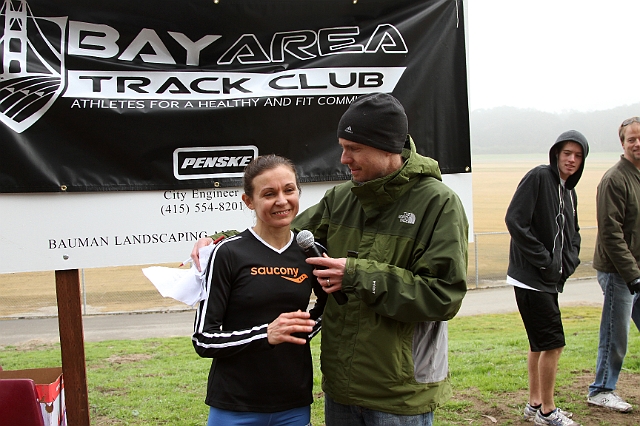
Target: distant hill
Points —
{"points": [[508, 130]]}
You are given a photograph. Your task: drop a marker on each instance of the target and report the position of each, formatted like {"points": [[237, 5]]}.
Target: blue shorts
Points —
{"points": [[294, 417]]}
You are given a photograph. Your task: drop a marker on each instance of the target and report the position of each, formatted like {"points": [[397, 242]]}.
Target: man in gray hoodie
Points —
{"points": [[545, 243]]}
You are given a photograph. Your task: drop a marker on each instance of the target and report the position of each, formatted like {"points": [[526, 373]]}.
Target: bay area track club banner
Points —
{"points": [[164, 94]]}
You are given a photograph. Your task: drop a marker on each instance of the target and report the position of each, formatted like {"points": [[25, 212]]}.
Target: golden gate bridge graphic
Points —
{"points": [[33, 74]]}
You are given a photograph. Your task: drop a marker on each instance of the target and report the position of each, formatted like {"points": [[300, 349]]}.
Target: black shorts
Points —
{"points": [[541, 317]]}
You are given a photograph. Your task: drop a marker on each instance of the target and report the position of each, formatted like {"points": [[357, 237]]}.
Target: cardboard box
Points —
{"points": [[50, 390]]}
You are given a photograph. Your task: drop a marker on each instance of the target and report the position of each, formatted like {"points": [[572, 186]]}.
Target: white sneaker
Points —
{"points": [[556, 418], [529, 412], [610, 400]]}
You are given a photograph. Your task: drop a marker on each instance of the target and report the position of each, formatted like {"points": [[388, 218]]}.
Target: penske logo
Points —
{"points": [[212, 162], [290, 274]]}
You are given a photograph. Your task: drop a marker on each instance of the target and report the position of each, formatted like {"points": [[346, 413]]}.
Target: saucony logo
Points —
{"points": [[290, 274], [274, 270], [297, 280]]}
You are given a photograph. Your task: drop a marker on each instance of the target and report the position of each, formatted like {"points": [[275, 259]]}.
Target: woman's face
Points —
{"points": [[275, 197]]}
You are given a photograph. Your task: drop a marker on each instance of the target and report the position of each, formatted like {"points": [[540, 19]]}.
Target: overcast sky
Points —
{"points": [[553, 55]]}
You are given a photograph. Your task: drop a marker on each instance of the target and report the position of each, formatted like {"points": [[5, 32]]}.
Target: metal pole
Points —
{"points": [[84, 295], [475, 248]]}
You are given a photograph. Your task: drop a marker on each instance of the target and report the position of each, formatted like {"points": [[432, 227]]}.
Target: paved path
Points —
{"points": [[492, 300], [499, 300]]}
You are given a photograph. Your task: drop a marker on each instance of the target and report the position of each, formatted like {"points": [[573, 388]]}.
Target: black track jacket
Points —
{"points": [[542, 220]]}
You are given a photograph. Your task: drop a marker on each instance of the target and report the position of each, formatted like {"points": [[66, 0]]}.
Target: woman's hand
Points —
{"points": [[195, 253], [282, 328]]}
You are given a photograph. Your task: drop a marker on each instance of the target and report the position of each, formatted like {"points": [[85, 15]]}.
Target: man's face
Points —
{"points": [[365, 162], [569, 159], [631, 143]]}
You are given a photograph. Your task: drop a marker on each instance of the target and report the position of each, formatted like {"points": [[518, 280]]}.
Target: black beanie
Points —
{"points": [[376, 120]]}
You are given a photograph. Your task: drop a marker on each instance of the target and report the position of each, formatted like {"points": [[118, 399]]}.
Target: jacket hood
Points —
{"points": [[418, 164], [386, 189], [573, 136]]}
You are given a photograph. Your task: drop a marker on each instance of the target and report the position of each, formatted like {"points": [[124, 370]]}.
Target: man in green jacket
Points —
{"points": [[617, 262], [384, 352], [397, 239]]}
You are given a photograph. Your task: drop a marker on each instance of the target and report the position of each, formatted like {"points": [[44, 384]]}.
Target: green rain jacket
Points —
{"points": [[386, 349]]}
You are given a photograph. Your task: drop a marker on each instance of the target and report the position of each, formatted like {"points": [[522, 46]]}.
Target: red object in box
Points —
{"points": [[49, 391]]}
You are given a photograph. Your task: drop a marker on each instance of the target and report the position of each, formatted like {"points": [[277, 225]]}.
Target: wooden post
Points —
{"points": [[74, 370]]}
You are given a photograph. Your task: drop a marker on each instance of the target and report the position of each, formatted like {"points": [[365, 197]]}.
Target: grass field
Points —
{"points": [[495, 178], [163, 381]]}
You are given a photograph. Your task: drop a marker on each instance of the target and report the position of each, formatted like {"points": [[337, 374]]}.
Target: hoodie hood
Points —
{"points": [[573, 136]]}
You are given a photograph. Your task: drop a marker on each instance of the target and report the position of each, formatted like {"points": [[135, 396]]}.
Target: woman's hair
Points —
{"points": [[261, 164]]}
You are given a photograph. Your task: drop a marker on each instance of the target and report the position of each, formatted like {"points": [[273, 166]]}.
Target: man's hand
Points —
{"points": [[329, 278], [195, 253], [634, 286], [282, 328]]}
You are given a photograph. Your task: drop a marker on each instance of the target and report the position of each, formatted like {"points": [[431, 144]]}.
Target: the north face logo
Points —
{"points": [[406, 217], [33, 74], [348, 129]]}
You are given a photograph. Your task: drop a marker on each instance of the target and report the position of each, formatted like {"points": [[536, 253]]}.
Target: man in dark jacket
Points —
{"points": [[617, 262], [545, 242]]}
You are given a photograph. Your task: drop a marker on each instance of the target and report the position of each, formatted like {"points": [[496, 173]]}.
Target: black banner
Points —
{"points": [[164, 94]]}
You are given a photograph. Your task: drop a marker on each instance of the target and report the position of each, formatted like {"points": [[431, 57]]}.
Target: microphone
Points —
{"points": [[308, 244]]}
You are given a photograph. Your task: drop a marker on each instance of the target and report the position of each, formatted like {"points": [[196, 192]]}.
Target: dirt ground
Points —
{"points": [[509, 410], [105, 290]]}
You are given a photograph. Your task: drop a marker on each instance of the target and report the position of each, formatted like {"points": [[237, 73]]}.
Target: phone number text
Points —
{"points": [[185, 208]]}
